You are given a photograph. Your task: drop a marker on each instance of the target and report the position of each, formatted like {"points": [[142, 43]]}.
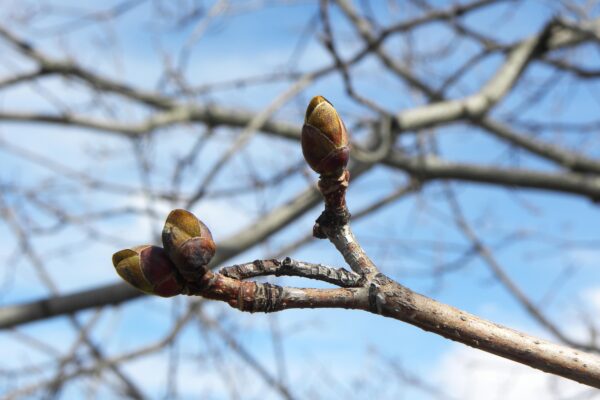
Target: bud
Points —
{"points": [[324, 138], [147, 268], [188, 242]]}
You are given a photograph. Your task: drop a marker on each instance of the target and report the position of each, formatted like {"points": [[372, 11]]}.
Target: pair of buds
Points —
{"points": [[188, 248]]}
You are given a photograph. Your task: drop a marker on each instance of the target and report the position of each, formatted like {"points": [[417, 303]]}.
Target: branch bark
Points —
{"points": [[117, 293], [381, 295]]}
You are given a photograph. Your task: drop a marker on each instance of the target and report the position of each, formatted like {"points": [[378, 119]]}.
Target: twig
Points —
{"points": [[288, 267]]}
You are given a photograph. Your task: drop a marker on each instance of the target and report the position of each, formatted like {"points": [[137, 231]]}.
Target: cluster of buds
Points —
{"points": [[181, 264], [174, 269]]}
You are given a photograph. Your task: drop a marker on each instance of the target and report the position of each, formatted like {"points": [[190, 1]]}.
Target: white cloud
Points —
{"points": [[585, 258], [592, 298], [467, 373]]}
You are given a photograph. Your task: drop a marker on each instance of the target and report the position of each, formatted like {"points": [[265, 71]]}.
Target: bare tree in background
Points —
{"points": [[458, 122]]}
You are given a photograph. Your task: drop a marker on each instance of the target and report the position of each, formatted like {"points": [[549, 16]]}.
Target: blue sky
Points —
{"points": [[338, 341]]}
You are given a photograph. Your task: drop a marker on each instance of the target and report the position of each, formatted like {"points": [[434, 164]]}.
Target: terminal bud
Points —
{"points": [[324, 138]]}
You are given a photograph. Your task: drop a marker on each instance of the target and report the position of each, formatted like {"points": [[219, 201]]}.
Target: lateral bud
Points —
{"points": [[189, 244], [147, 268]]}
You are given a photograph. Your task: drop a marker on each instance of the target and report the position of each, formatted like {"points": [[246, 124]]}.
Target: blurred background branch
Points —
{"points": [[476, 182]]}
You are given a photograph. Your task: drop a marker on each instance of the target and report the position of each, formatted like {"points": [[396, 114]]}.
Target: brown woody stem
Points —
{"points": [[381, 295], [336, 212], [288, 267], [264, 297]]}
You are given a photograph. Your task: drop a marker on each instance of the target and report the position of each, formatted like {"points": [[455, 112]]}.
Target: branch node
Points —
{"points": [[336, 212], [375, 299], [259, 297]]}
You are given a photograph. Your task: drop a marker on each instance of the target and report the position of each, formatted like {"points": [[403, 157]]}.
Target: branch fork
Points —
{"points": [[182, 268]]}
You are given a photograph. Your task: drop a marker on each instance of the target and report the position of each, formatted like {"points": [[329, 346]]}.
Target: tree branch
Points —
{"points": [[381, 295], [117, 293], [288, 267]]}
